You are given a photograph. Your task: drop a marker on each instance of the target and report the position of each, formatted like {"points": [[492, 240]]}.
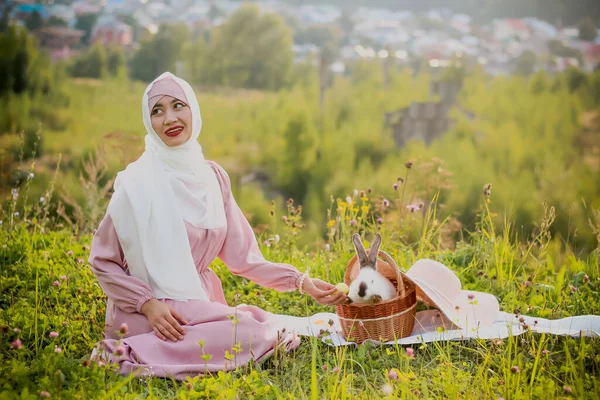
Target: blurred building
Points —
{"points": [[59, 41], [111, 31]]}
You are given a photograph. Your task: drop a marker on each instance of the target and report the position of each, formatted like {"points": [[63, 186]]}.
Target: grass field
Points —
{"points": [[46, 286]]}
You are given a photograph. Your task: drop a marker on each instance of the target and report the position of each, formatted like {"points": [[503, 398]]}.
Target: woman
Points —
{"points": [[171, 214]]}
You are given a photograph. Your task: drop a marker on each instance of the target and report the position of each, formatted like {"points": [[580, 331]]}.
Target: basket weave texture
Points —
{"points": [[385, 321]]}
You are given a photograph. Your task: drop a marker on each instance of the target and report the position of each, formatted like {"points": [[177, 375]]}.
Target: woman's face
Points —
{"points": [[172, 121]]}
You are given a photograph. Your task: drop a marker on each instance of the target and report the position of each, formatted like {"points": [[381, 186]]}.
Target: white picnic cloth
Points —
{"points": [[428, 327]]}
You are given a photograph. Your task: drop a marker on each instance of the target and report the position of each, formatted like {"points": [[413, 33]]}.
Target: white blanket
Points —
{"points": [[428, 327]]}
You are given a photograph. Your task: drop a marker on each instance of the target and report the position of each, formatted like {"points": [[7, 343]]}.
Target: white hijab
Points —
{"points": [[154, 195]]}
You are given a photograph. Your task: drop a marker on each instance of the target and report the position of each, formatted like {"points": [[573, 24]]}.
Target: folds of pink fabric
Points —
{"points": [[213, 321]]}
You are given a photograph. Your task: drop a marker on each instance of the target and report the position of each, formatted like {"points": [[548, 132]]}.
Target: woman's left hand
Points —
{"points": [[323, 292]]}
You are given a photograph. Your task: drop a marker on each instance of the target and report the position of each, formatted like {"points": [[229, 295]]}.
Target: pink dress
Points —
{"points": [[221, 327]]}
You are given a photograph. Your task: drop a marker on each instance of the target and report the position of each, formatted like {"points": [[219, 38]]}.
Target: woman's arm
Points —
{"points": [[107, 260], [241, 253]]}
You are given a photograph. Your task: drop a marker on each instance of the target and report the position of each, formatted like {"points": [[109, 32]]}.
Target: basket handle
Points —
{"points": [[400, 287]]}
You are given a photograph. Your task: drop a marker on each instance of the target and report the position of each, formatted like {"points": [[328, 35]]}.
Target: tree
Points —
{"points": [[250, 50], [115, 61], [22, 66], [587, 29], [86, 22], [159, 53], [91, 64], [34, 21]]}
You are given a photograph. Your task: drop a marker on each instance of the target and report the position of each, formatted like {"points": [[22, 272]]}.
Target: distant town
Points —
{"points": [[437, 37]]}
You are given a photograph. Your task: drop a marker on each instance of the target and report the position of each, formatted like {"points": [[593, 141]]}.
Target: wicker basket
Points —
{"points": [[385, 321]]}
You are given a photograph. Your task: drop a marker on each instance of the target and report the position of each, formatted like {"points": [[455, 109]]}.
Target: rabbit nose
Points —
{"points": [[362, 289]]}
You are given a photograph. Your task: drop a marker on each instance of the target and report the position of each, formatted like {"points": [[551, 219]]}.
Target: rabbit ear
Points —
{"points": [[374, 250], [360, 250]]}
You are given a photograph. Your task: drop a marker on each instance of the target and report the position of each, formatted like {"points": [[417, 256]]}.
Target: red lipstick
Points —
{"points": [[174, 131]]}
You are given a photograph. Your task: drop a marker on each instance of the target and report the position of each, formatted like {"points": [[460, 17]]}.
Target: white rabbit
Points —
{"points": [[369, 286]]}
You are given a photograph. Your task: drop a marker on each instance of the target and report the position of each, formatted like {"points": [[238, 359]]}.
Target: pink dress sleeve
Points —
{"points": [[241, 253], [108, 264]]}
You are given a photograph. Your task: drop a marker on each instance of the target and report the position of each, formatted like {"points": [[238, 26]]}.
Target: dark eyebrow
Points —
{"points": [[158, 105]]}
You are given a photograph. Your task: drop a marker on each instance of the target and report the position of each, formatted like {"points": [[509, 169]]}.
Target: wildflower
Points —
{"points": [[410, 352], [31, 175], [86, 363], [120, 350], [17, 214], [124, 329], [400, 179], [567, 389], [16, 344], [362, 193], [408, 165], [79, 260], [352, 222], [284, 219], [413, 207], [271, 212], [327, 247], [470, 296], [324, 367], [53, 334], [43, 393], [349, 200], [573, 289], [393, 375], [369, 190], [56, 283], [16, 330], [57, 349], [331, 223], [545, 352], [586, 278], [526, 283], [395, 186], [63, 278], [487, 190], [336, 369], [501, 382], [15, 194], [70, 252], [42, 199], [515, 369], [386, 203], [387, 389], [379, 220]]}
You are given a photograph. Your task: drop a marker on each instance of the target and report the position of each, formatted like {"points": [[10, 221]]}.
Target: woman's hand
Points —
{"points": [[323, 292], [164, 320]]}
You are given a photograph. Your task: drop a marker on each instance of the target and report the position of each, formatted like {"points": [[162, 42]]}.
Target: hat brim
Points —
{"points": [[470, 311]]}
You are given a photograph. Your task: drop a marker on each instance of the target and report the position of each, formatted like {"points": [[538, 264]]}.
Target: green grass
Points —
{"points": [[36, 251]]}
